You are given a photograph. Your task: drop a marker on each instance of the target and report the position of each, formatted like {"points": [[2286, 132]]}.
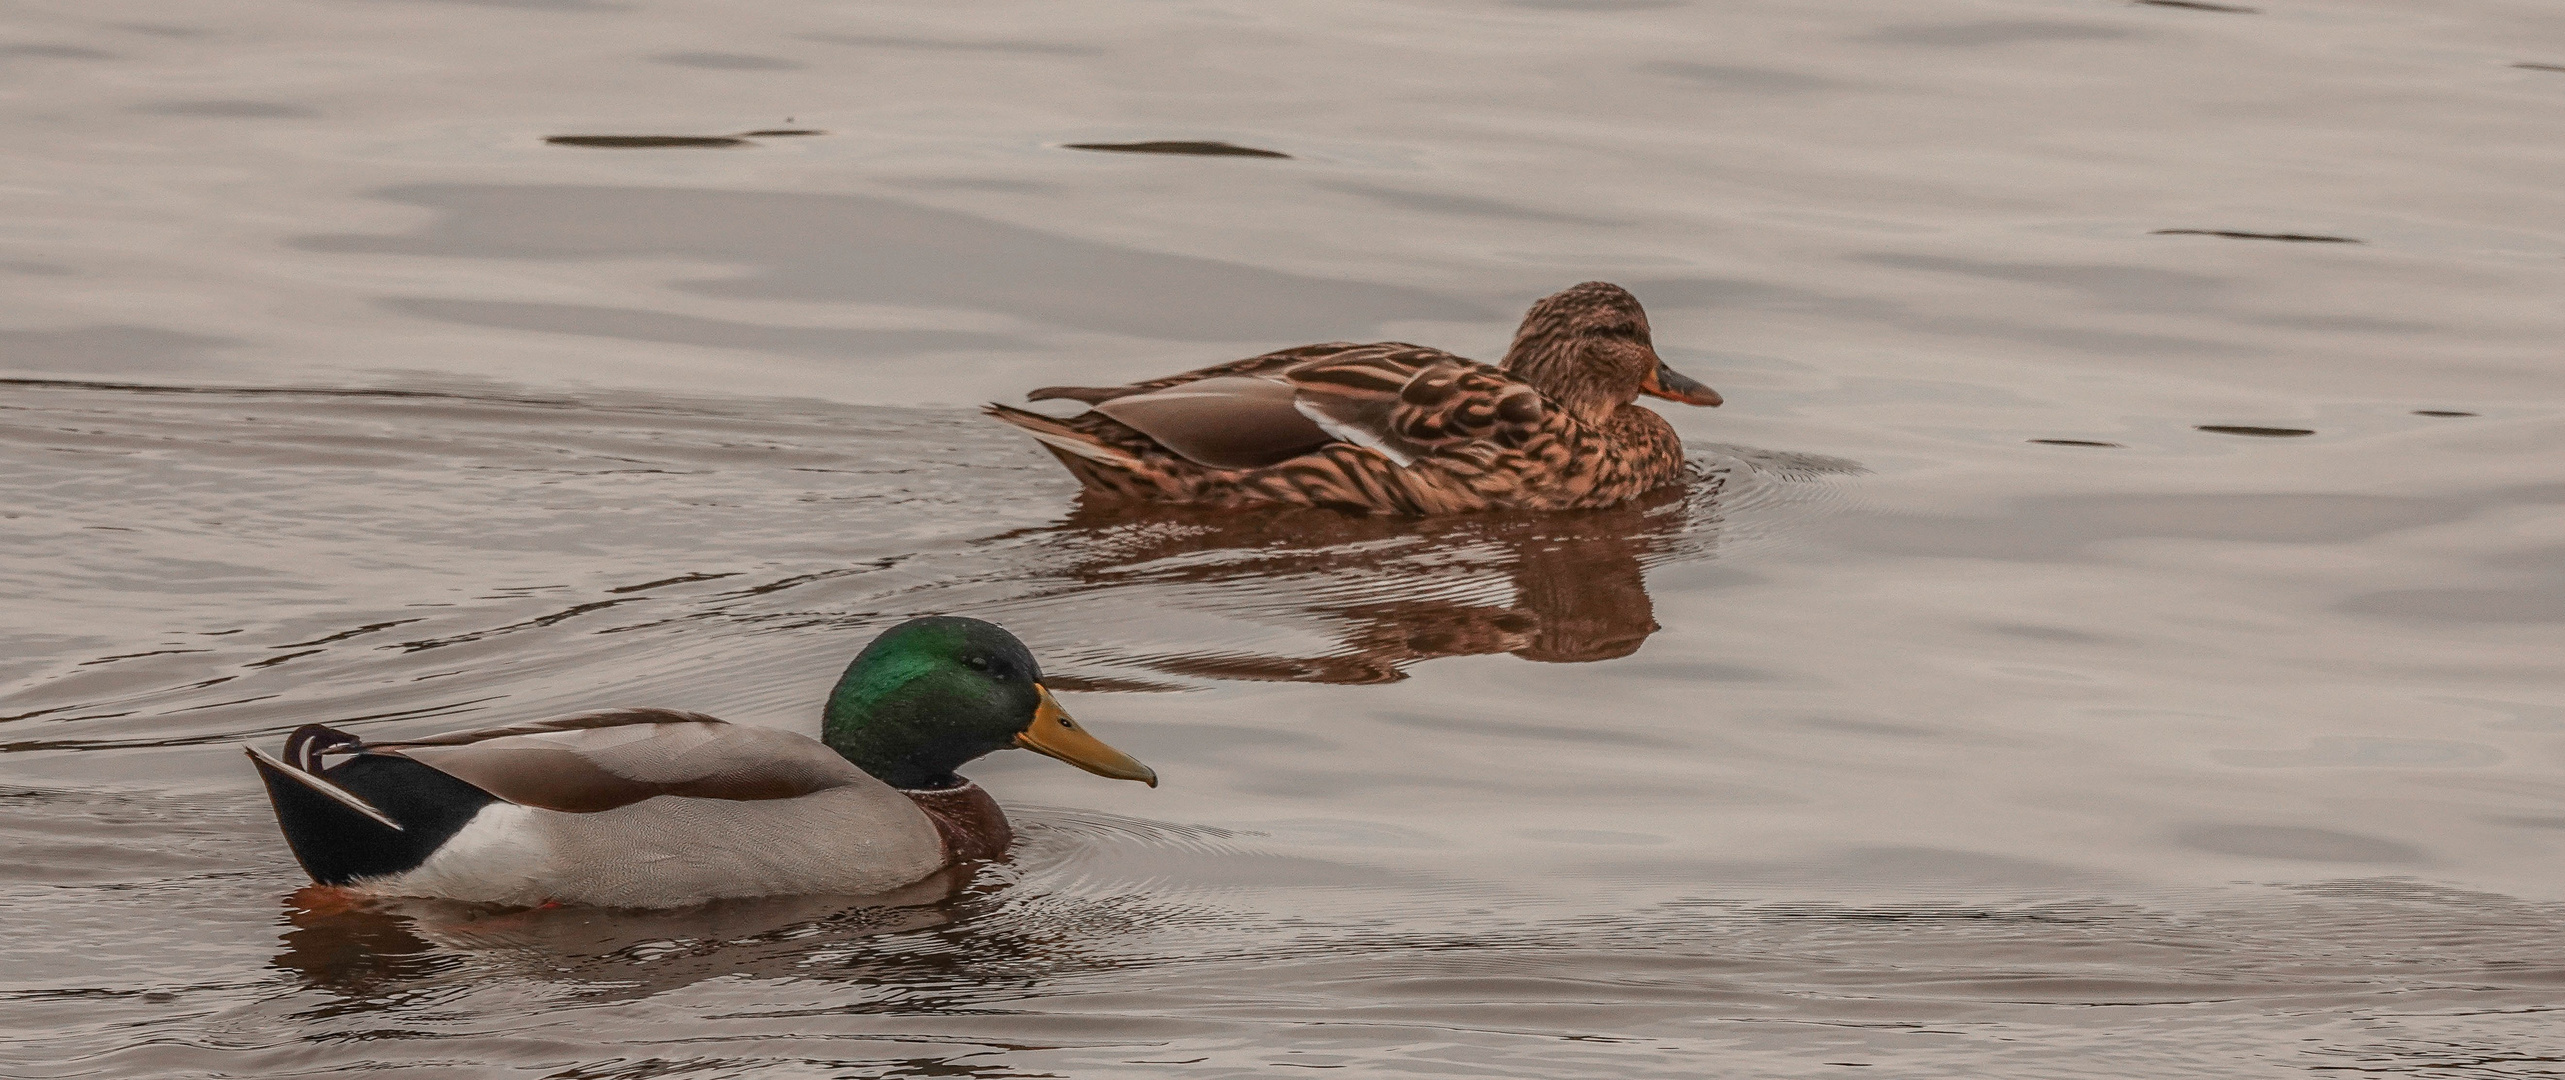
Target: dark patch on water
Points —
{"points": [[1197, 149], [681, 579], [644, 142], [2231, 234], [2441, 412], [2262, 432], [780, 133], [2541, 67], [2075, 442], [2198, 5]]}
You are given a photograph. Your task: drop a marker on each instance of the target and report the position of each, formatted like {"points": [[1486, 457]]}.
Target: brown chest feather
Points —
{"points": [[968, 819]]}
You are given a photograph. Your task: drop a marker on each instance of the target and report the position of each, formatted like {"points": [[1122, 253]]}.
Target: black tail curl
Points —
{"points": [[303, 748]]}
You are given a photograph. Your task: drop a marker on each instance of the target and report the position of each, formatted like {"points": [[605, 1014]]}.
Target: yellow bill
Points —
{"points": [[1054, 734]]}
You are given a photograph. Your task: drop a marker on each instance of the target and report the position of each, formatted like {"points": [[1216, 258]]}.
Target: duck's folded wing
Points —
{"points": [[1268, 364], [1228, 422], [1238, 415], [1409, 402], [599, 761], [1404, 401]]}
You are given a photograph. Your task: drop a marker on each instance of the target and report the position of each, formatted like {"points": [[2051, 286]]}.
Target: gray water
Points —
{"points": [[1896, 740]]}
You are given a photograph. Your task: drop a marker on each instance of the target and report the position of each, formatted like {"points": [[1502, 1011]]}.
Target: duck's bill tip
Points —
{"points": [[1054, 734], [1672, 385]]}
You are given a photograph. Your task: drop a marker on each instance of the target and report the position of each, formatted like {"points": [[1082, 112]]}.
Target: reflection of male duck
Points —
{"points": [[1555, 587], [365, 947]]}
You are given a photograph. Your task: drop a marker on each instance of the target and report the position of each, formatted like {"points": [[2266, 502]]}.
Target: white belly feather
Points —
{"points": [[670, 851]]}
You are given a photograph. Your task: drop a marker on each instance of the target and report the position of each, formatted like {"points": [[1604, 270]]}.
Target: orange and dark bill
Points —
{"points": [[1055, 735], [1672, 385]]}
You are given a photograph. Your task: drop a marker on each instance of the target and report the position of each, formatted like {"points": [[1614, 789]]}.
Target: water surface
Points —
{"points": [[2106, 634]]}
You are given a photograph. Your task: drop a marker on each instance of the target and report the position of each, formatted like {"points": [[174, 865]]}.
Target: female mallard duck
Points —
{"points": [[1394, 428], [658, 808]]}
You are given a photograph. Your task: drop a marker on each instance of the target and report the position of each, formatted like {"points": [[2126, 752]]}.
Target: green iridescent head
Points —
{"points": [[933, 693]]}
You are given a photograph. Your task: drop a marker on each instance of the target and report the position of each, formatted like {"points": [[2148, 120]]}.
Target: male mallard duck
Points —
{"points": [[1391, 427], [658, 808]]}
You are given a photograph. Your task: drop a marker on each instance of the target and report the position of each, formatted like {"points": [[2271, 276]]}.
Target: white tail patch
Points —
{"points": [[343, 796]]}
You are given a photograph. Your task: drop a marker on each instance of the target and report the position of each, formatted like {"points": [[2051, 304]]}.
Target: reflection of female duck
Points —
{"points": [[1397, 592], [655, 808], [1394, 428]]}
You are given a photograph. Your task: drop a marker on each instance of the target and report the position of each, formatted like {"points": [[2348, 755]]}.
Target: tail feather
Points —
{"points": [[1060, 436], [272, 770], [1092, 395], [365, 817]]}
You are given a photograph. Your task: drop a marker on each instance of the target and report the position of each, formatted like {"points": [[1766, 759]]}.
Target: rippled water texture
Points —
{"points": [[2113, 629]]}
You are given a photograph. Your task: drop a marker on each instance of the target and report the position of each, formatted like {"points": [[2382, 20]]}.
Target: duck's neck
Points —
{"points": [[1557, 366]]}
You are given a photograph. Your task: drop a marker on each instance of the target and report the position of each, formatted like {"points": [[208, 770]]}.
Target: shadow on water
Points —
{"points": [[2199, 5], [2231, 234], [1178, 146], [2250, 429], [654, 142]]}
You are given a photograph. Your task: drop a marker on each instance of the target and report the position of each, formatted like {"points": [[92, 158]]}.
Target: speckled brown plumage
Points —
{"points": [[1391, 427]]}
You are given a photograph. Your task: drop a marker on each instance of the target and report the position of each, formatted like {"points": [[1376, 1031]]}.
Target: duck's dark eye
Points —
{"points": [[978, 662]]}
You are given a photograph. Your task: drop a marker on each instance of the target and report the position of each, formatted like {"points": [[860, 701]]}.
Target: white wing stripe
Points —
{"points": [[1357, 436]]}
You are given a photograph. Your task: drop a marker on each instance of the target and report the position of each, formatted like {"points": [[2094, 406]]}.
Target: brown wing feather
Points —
{"points": [[1266, 364], [1411, 402], [1226, 422], [599, 761], [602, 718]]}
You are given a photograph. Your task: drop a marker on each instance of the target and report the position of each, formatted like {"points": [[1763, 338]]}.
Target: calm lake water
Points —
{"points": [[1901, 740]]}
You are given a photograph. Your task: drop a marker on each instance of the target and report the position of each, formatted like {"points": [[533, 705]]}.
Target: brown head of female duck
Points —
{"points": [[1392, 427], [1588, 349]]}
